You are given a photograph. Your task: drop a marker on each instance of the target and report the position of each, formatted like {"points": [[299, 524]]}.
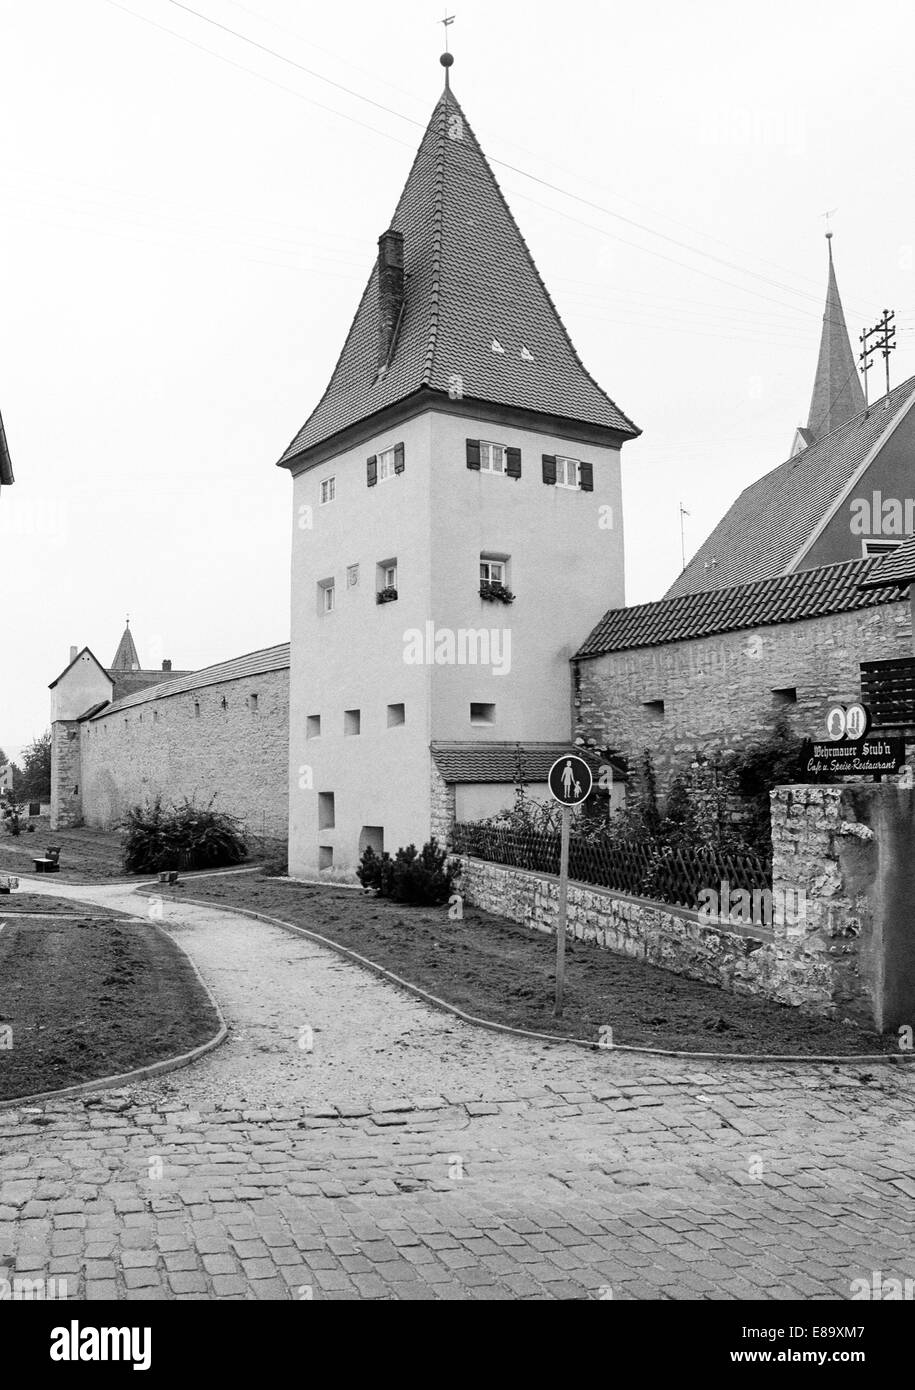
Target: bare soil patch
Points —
{"points": [[81, 1000], [500, 971]]}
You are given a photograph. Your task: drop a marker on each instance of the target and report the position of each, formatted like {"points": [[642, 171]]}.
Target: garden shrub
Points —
{"points": [[181, 837], [420, 877]]}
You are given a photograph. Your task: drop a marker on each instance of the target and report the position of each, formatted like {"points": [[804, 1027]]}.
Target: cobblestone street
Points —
{"points": [[407, 1155]]}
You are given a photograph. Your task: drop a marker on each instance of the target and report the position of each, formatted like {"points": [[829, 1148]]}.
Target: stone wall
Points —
{"points": [[441, 805], [212, 741], [840, 943], [66, 798], [724, 691]]}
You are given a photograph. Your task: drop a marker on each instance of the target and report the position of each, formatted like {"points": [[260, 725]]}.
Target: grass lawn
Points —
{"points": [[498, 970], [94, 997], [86, 856], [12, 904]]}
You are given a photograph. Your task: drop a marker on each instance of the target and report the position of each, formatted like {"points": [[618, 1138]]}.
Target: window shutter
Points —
{"points": [[513, 463], [371, 471], [586, 477], [473, 453], [398, 458], [549, 468]]}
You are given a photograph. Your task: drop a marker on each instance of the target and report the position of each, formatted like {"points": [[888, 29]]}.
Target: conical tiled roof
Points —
{"points": [[837, 394], [470, 282], [125, 658]]}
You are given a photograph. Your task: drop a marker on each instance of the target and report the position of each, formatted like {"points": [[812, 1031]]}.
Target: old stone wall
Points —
{"points": [[228, 740], [722, 692], [840, 943], [66, 776]]}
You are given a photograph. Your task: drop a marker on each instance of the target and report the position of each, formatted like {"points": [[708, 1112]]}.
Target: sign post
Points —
{"points": [[570, 782]]}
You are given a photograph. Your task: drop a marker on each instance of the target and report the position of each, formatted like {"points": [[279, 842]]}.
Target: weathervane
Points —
{"points": [[826, 216], [449, 19]]}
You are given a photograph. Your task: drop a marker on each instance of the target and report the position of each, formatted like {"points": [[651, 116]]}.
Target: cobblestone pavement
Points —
{"points": [[407, 1155]]}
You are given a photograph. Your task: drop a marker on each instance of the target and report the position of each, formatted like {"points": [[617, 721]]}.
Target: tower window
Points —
{"points": [[328, 490], [482, 713], [352, 722], [492, 457], [566, 472], [326, 812], [654, 709], [325, 857], [493, 571], [326, 596], [196, 709], [786, 695], [313, 726], [252, 703], [397, 714]]}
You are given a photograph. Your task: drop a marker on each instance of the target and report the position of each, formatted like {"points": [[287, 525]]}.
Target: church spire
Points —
{"points": [[837, 394], [125, 658]]}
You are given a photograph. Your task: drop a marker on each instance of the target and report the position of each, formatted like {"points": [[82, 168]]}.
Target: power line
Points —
{"points": [[544, 183]]}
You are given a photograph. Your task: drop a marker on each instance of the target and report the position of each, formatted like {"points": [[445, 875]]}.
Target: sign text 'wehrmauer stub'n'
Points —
{"points": [[868, 757]]}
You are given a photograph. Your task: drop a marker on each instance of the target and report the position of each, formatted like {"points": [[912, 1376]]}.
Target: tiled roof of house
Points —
{"points": [[470, 280], [131, 682], [238, 668], [6, 463], [896, 568], [785, 599], [772, 518], [498, 762]]}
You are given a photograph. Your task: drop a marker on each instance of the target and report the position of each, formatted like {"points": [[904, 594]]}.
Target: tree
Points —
{"points": [[36, 770]]}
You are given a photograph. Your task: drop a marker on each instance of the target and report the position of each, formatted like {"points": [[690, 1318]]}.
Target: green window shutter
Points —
{"points": [[549, 468], [586, 477], [398, 458], [473, 453], [513, 463], [371, 471]]}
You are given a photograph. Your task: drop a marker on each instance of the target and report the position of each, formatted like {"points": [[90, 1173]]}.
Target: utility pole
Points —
{"points": [[864, 357], [683, 513], [884, 331]]}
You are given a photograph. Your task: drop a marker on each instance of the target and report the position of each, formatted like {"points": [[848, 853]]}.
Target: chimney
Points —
{"points": [[390, 291], [166, 666], [72, 655]]}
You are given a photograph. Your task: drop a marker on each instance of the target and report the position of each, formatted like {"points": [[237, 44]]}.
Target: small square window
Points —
{"points": [[492, 571], [397, 714], [352, 722], [566, 472], [328, 490], [313, 726], [492, 457], [252, 703], [325, 857], [785, 695], [654, 708], [482, 713]]}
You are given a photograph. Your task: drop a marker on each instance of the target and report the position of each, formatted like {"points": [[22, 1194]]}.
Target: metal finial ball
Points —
{"points": [[446, 60]]}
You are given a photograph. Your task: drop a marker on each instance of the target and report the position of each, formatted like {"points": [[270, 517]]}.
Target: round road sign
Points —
{"points": [[570, 780]]}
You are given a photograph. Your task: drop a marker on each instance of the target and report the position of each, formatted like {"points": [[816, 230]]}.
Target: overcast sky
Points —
{"points": [[186, 231]]}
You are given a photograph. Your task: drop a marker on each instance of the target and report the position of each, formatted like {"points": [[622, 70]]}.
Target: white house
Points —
{"points": [[457, 522]]}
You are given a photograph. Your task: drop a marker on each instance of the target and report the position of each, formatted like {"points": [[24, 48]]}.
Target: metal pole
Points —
{"points": [[561, 918]]}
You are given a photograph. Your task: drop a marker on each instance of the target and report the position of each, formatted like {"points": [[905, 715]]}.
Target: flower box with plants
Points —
{"points": [[387, 595], [494, 592]]}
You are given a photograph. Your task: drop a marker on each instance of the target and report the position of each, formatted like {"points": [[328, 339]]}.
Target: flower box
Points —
{"points": [[386, 595], [495, 593]]}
